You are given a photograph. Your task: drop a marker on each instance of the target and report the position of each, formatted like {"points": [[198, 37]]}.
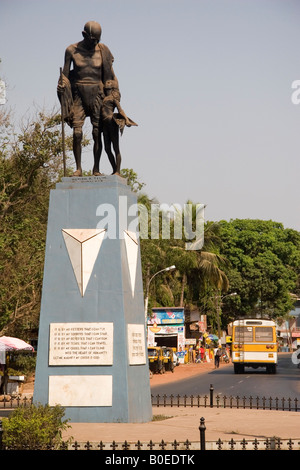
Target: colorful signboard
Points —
{"points": [[167, 322], [167, 316]]}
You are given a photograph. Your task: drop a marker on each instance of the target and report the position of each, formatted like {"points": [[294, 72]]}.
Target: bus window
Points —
{"points": [[243, 334], [264, 334]]}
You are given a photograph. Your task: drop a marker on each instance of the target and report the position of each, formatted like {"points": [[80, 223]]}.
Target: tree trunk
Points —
{"points": [[183, 284]]}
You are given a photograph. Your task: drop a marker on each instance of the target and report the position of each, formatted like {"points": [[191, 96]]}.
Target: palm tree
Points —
{"points": [[200, 269]]}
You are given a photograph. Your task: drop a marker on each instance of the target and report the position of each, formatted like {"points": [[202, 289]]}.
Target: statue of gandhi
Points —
{"points": [[88, 87]]}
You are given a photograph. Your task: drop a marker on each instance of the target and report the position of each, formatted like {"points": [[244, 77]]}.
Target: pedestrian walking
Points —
{"points": [[217, 353], [202, 353]]}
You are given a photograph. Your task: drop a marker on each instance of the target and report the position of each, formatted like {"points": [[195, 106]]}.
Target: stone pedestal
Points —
{"points": [[92, 355]]}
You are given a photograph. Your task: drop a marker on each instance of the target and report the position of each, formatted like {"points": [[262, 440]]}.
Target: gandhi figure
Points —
{"points": [[85, 82]]}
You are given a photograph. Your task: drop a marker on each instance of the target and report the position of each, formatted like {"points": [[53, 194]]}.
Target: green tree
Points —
{"points": [[132, 179], [197, 271], [264, 267], [30, 165]]}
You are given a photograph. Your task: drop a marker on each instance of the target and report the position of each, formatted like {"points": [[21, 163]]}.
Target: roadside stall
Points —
{"points": [[11, 384]]}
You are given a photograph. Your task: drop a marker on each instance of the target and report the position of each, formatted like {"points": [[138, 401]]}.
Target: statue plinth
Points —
{"points": [[92, 354]]}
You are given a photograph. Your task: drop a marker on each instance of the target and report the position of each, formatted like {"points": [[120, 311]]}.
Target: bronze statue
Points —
{"points": [[90, 89]]}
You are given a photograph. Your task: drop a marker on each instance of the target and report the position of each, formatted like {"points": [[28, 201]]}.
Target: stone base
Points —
{"points": [[92, 354]]}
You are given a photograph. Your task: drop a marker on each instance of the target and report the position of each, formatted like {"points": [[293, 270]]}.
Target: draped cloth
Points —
{"points": [[66, 100], [93, 96]]}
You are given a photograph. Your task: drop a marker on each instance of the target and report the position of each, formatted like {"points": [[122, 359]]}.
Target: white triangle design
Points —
{"points": [[83, 246], [132, 249]]}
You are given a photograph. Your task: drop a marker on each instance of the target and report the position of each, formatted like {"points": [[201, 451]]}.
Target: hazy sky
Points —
{"points": [[208, 81]]}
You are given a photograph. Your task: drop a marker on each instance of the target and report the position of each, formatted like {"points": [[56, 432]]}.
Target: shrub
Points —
{"points": [[34, 427], [24, 363]]}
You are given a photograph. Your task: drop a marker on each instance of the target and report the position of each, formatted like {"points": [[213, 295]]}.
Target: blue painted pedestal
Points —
{"points": [[116, 387]]}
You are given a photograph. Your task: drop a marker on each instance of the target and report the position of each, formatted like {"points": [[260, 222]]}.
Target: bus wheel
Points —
{"points": [[271, 369], [238, 368]]}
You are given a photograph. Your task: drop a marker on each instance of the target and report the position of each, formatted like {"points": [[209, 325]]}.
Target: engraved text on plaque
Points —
{"points": [[81, 344]]}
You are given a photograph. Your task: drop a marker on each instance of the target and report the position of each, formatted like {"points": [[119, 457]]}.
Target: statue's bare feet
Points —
{"points": [[97, 173], [77, 173]]}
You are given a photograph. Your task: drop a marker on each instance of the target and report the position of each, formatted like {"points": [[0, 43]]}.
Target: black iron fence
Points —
{"points": [[210, 400], [222, 401], [11, 402], [273, 443]]}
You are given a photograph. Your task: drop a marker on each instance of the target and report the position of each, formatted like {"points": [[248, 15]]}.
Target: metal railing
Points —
{"points": [[272, 443], [222, 401], [11, 402], [210, 400]]}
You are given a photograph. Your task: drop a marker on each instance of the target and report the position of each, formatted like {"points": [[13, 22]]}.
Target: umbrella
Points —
{"points": [[8, 343], [213, 337]]}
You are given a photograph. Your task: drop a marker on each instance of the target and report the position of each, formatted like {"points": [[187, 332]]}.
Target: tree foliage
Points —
{"points": [[30, 164], [197, 271], [264, 266]]}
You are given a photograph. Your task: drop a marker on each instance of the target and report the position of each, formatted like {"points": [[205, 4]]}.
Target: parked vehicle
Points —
{"points": [[224, 356], [156, 359], [169, 359]]}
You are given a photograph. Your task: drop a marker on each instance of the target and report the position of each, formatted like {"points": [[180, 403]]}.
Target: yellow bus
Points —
{"points": [[254, 344]]}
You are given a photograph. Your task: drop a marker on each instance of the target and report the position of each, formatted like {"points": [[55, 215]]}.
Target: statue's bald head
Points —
{"points": [[92, 30]]}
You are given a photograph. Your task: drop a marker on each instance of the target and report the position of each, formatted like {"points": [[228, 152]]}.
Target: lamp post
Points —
{"points": [[148, 281]]}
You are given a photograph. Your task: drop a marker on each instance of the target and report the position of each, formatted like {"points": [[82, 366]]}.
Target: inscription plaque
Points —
{"points": [[136, 344], [81, 344]]}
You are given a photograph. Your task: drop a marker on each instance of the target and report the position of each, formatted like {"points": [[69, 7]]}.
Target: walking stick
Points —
{"points": [[63, 128]]}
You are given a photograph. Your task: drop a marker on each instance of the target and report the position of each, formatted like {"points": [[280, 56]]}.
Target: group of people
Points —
{"points": [[199, 354], [196, 355]]}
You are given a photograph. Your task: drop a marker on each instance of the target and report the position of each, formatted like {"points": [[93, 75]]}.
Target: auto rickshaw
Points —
{"points": [[156, 359], [168, 358]]}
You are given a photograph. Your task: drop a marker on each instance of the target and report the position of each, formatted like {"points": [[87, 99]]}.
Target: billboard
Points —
{"points": [[166, 316]]}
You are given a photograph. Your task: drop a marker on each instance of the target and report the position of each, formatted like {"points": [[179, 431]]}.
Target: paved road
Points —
{"points": [[286, 383]]}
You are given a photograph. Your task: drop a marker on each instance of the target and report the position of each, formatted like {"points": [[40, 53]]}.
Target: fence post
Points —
{"points": [[202, 429], [211, 395]]}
